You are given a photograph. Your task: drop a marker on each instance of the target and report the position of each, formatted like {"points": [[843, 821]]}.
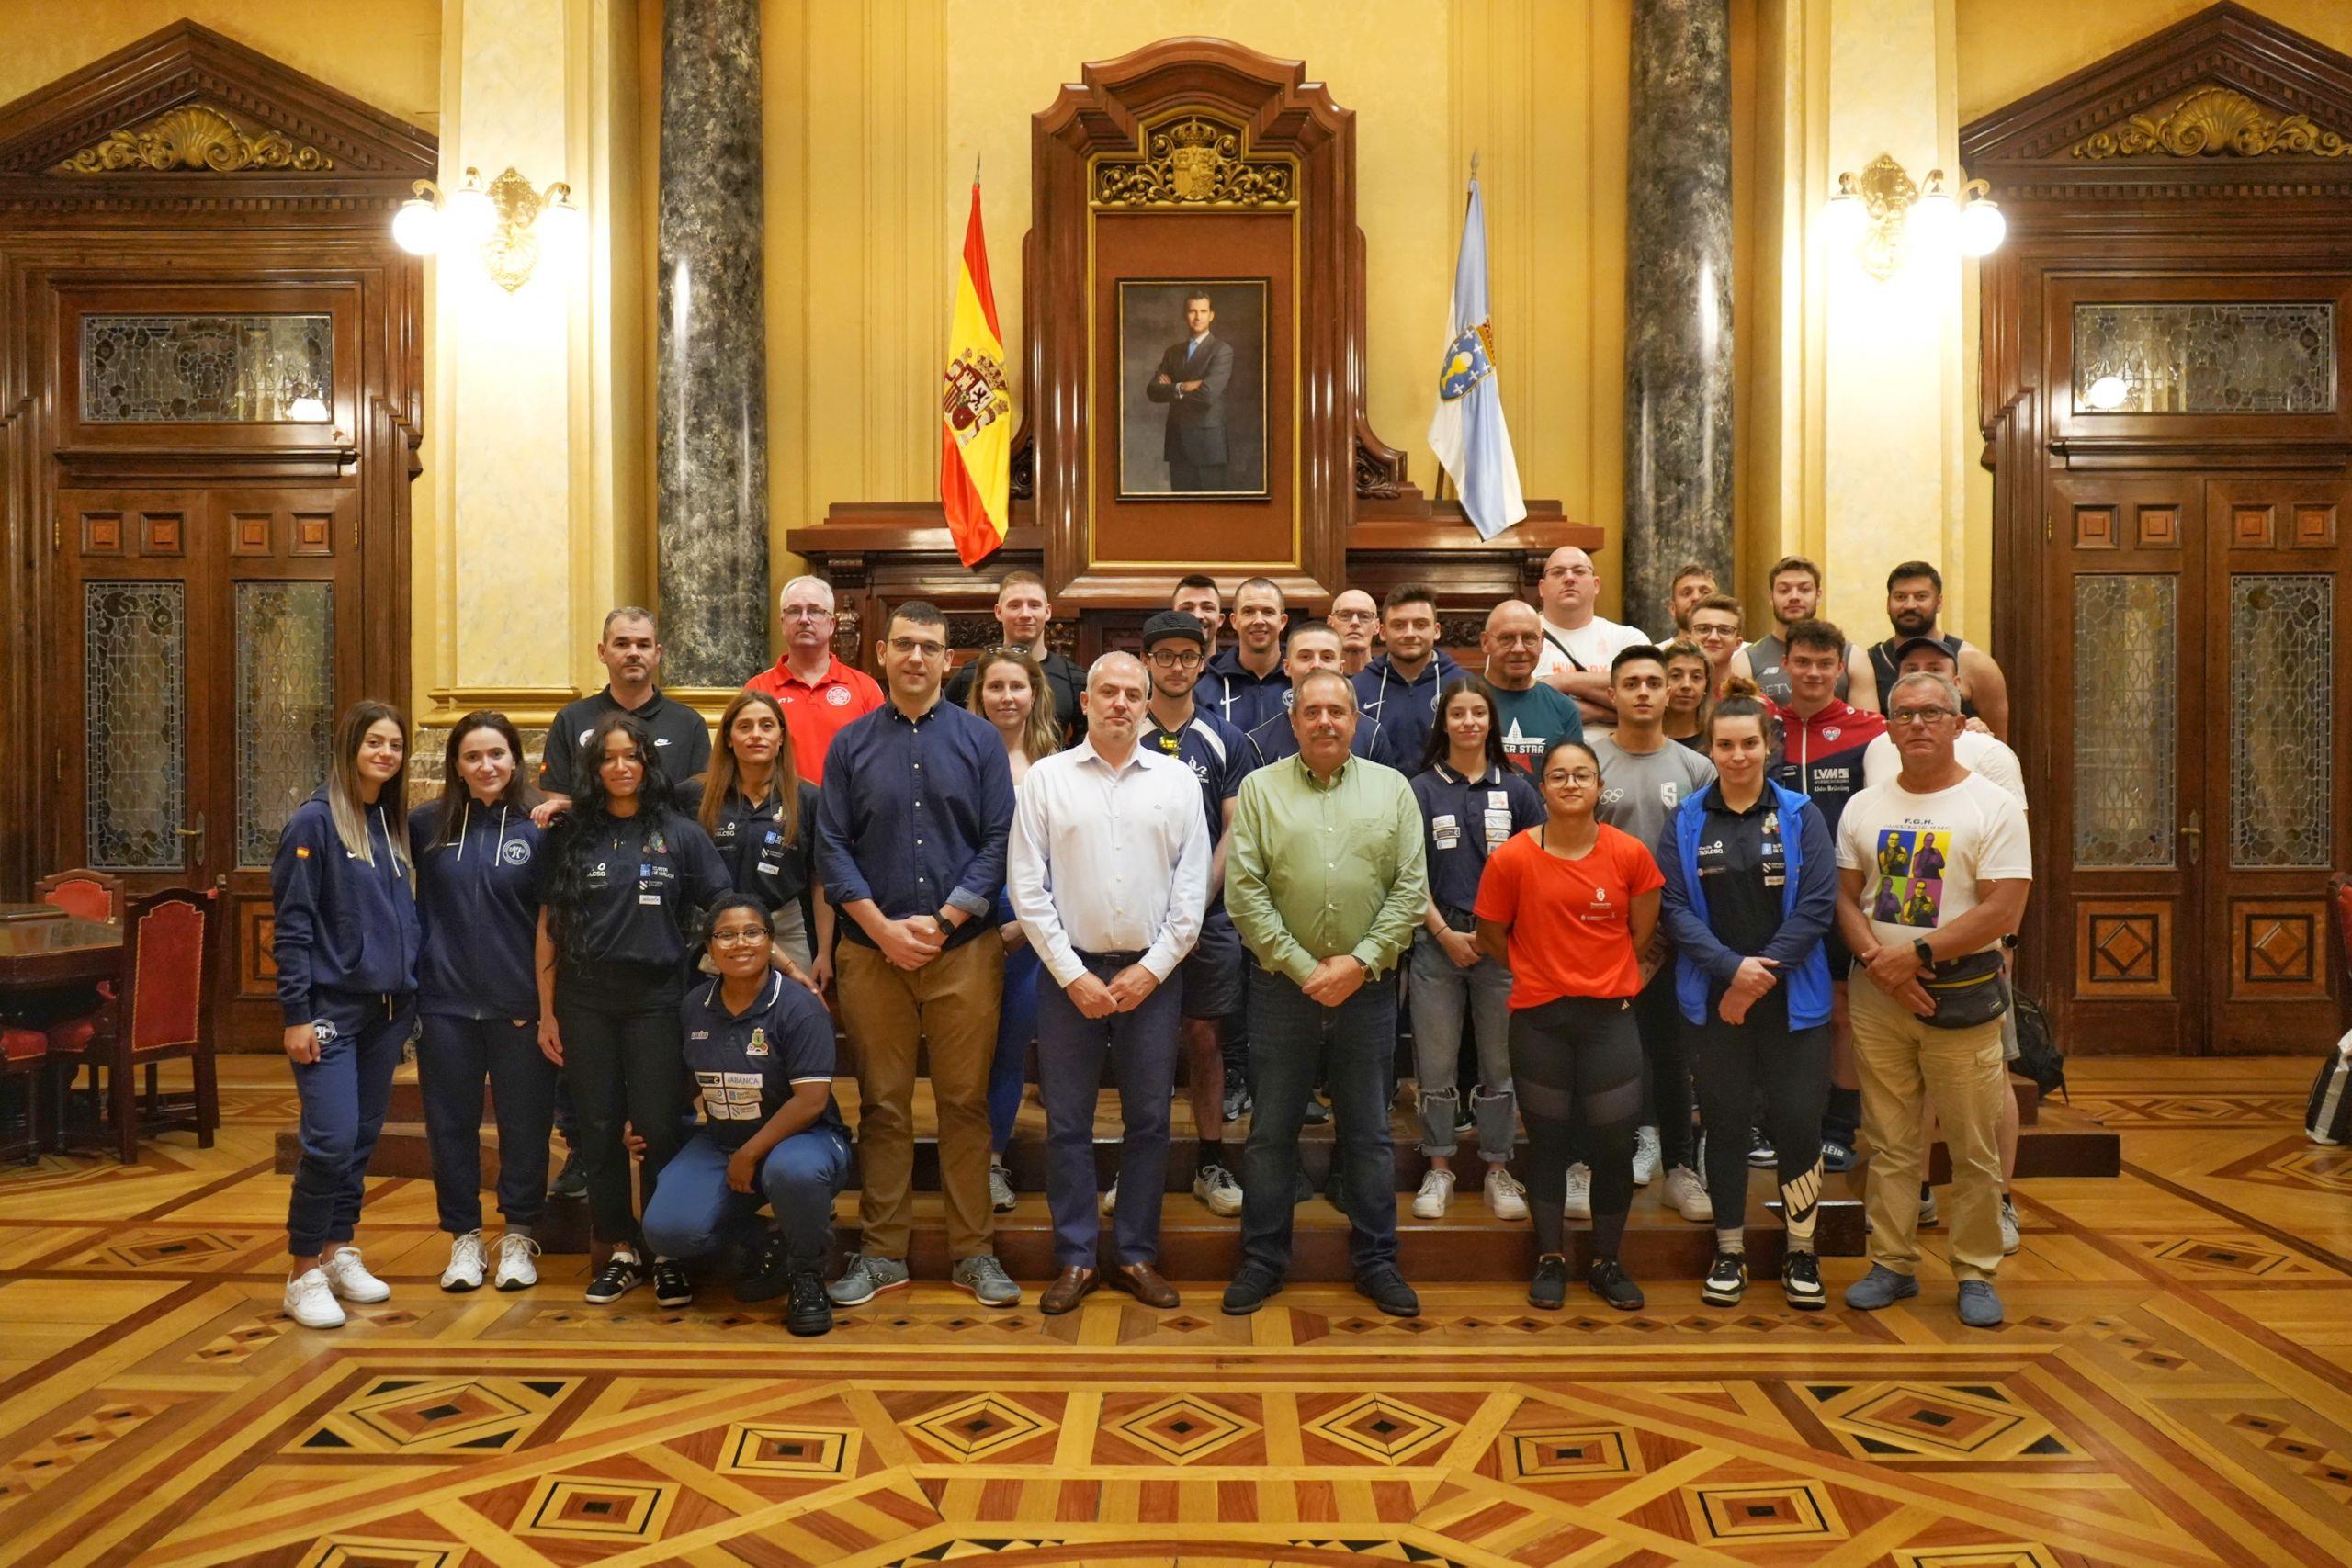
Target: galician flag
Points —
{"points": [[1467, 431], [975, 408]]}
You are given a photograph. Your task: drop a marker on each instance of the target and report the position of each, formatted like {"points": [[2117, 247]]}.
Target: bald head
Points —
{"points": [[1116, 690], [1513, 643], [1356, 617], [1569, 586]]}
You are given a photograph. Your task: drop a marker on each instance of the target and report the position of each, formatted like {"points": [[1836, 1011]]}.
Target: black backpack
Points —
{"points": [[2039, 1058]]}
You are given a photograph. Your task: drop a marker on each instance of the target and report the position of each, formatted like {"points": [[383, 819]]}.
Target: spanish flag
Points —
{"points": [[975, 410]]}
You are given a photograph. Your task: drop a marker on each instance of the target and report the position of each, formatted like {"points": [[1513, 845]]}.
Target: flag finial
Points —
{"points": [[1474, 162], [976, 168]]}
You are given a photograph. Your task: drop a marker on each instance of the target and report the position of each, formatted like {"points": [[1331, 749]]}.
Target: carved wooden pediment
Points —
{"points": [[195, 137], [2225, 103]]}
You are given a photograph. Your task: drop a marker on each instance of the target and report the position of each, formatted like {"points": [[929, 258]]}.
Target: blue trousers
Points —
{"points": [[1016, 1026], [1142, 1047], [345, 1094], [1291, 1040], [455, 1058], [694, 1211]]}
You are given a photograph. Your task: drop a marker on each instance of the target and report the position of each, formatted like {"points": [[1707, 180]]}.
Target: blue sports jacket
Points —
{"points": [[1808, 905]]}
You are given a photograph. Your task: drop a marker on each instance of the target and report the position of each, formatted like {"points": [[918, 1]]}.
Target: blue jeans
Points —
{"points": [[1016, 1026], [694, 1211], [1142, 1048], [1291, 1041], [1439, 987], [453, 1060], [345, 1094]]}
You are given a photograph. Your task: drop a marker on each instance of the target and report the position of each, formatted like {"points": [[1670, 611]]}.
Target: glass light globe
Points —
{"points": [[1981, 228], [2106, 392], [308, 410], [563, 230], [1935, 224], [1844, 220], [416, 227], [469, 214]]}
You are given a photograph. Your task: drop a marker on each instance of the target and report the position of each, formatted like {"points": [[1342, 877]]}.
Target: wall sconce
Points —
{"points": [[1880, 214], [502, 222]]}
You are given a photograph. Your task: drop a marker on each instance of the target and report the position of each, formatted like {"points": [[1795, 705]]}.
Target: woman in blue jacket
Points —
{"points": [[1751, 888], [479, 863], [345, 946]]}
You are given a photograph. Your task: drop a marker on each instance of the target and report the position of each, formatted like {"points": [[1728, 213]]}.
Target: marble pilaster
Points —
{"points": [[1678, 301], [711, 417]]}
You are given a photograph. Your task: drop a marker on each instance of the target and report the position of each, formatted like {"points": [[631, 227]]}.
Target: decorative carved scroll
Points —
{"points": [[194, 136], [2214, 122], [1196, 161]]}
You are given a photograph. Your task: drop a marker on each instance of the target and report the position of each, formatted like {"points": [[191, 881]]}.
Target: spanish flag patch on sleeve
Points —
{"points": [[301, 853]]}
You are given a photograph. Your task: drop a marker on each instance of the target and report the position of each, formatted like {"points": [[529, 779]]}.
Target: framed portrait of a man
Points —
{"points": [[1192, 388]]}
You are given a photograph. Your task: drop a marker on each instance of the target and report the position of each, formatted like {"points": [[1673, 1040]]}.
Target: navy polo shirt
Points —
{"points": [[915, 815], [1219, 755], [750, 841], [1466, 819], [744, 1064], [648, 878], [681, 738]]}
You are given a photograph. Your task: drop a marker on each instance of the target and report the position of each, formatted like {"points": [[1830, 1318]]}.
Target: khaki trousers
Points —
{"points": [[950, 1001], [1902, 1058]]}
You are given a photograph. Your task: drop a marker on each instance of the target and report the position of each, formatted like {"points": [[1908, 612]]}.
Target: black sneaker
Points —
{"points": [[766, 1275], [1251, 1290], [1608, 1282], [1759, 1148], [1317, 1112], [1801, 1278], [1384, 1288], [1465, 1119], [806, 1312], [669, 1286], [1726, 1279], [617, 1279], [1836, 1155], [1550, 1287], [571, 1181], [1237, 1096]]}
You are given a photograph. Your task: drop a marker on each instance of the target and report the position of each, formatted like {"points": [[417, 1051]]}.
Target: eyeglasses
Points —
{"points": [[1583, 777], [1167, 660], [1920, 716], [1352, 615], [903, 645], [745, 937], [805, 612]]}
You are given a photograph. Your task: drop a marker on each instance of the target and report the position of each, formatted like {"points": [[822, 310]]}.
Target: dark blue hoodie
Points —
{"points": [[342, 924], [480, 899], [1405, 711]]}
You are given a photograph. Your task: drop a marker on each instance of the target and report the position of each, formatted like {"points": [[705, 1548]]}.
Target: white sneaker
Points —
{"points": [[1218, 1191], [349, 1278], [310, 1301], [1110, 1198], [1505, 1196], [1437, 1192], [1579, 1200], [515, 1270], [464, 1272], [1687, 1195], [2010, 1240], [1646, 1154], [1929, 1214], [1000, 1198]]}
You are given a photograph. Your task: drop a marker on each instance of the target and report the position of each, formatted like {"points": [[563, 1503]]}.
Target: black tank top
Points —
{"points": [[1882, 666]]}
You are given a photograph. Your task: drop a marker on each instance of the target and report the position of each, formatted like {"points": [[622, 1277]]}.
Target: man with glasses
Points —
{"points": [[1174, 643], [1023, 611], [820, 695], [1356, 617], [1579, 642], [1249, 681], [1971, 834], [1198, 596], [1528, 712], [911, 829]]}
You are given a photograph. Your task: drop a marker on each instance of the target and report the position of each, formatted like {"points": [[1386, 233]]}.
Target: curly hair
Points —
{"points": [[590, 818]]}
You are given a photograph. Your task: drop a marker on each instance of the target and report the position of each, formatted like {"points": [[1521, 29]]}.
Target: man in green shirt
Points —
{"points": [[1325, 880]]}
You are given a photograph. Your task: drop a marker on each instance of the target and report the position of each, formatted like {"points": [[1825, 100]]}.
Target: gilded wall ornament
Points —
{"points": [[194, 136], [1195, 162], [2214, 122]]}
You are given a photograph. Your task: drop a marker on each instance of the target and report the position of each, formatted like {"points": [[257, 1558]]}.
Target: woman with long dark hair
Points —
{"points": [[629, 872], [1473, 800], [479, 861], [345, 946], [1571, 906], [762, 817], [1008, 690], [1751, 888]]}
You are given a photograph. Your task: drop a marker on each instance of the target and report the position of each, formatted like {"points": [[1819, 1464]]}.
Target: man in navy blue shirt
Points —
{"points": [[912, 831], [1249, 680], [1315, 645], [1397, 691]]}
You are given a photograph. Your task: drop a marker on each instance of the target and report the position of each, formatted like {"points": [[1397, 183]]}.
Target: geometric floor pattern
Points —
{"points": [[2174, 1386]]}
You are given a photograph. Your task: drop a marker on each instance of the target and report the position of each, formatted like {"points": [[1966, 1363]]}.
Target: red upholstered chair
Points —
{"points": [[2339, 914], [24, 1053], [171, 949], [85, 894]]}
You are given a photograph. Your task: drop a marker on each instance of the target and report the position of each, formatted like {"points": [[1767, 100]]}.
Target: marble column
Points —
{"points": [[1678, 301], [711, 420]]}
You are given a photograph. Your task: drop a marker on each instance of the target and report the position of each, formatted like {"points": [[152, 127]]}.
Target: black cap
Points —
{"points": [[1174, 622], [1934, 644]]}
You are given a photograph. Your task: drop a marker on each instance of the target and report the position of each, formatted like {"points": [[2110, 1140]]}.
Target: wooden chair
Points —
{"points": [[24, 1056], [2339, 916], [85, 894], [172, 943]]}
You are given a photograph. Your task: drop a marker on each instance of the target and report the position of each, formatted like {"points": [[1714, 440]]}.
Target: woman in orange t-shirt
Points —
{"points": [[1571, 907]]}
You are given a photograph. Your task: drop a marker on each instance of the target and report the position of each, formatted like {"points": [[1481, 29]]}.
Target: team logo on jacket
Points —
{"points": [[837, 695], [758, 1043], [515, 852], [1831, 733]]}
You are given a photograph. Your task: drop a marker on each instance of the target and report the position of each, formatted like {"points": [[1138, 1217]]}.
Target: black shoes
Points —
{"points": [[1251, 1290], [1727, 1281], [806, 1312], [766, 1273], [1550, 1289], [1384, 1288], [1608, 1282], [1801, 1278], [571, 1181], [669, 1286], [623, 1274]]}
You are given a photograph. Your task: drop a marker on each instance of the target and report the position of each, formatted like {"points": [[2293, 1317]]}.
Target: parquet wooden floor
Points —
{"points": [[2173, 1387]]}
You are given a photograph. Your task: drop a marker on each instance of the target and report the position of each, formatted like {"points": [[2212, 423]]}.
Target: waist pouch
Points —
{"points": [[1967, 991]]}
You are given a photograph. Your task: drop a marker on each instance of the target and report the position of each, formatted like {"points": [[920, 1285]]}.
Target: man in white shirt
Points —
{"points": [[1978, 750], [1578, 643], [1933, 869], [1109, 872]]}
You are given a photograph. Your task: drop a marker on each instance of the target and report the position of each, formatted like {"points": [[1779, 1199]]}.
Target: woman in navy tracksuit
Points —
{"points": [[478, 864], [1751, 888], [345, 946]]}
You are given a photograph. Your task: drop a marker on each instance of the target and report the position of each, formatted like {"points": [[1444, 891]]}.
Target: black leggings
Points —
{"points": [[623, 1062], [1666, 1100], [1577, 1062], [1786, 1071]]}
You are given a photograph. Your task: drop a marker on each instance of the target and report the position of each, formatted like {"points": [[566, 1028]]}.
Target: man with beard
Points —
{"points": [[1915, 597], [630, 651], [1794, 585]]}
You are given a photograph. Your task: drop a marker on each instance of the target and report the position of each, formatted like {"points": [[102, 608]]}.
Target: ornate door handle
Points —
{"points": [[2194, 831], [195, 849]]}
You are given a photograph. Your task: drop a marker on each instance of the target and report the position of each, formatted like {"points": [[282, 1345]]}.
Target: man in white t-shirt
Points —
{"points": [[1578, 643], [1932, 866], [1978, 750]]}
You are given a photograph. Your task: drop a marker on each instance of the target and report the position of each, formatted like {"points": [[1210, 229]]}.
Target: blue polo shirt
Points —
{"points": [[744, 1064], [1219, 755], [1465, 820], [915, 815]]}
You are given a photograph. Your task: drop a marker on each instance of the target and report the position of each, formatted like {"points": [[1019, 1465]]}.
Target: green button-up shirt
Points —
{"points": [[1316, 871]]}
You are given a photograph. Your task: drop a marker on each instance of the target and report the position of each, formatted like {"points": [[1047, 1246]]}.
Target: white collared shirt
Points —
{"points": [[1109, 861]]}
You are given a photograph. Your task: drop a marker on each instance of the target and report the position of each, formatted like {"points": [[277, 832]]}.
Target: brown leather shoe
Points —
{"points": [[1067, 1291], [1142, 1281]]}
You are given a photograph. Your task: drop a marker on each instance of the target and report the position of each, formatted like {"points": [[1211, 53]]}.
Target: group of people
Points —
{"points": [[1674, 906]]}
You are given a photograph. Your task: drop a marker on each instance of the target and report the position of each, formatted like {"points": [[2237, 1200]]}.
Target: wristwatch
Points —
{"points": [[1926, 954]]}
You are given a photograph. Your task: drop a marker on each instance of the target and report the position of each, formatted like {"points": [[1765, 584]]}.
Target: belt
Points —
{"points": [[1119, 958]]}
